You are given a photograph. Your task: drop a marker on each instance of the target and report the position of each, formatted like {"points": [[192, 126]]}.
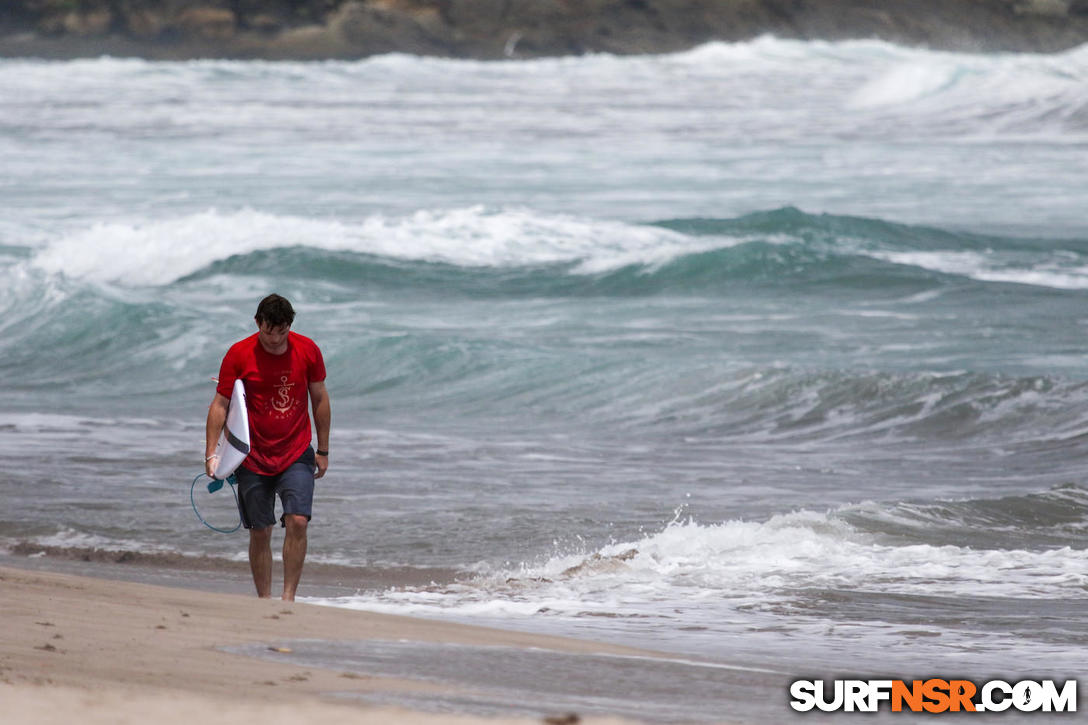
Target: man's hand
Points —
{"points": [[319, 399], [217, 417]]}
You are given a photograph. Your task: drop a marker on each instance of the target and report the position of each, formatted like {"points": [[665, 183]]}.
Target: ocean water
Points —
{"points": [[766, 354]]}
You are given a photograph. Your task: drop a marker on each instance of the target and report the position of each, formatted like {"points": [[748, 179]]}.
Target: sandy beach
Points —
{"points": [[110, 652]]}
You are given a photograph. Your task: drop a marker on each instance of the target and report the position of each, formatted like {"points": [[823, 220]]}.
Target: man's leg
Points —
{"points": [[256, 505], [260, 560], [294, 553]]}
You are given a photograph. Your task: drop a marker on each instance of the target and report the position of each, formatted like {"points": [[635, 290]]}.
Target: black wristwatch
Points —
{"points": [[322, 453]]}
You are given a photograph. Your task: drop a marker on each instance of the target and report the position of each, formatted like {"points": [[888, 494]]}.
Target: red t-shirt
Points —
{"points": [[277, 392]]}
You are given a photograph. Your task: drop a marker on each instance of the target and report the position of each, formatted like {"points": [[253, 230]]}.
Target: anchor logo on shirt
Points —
{"points": [[283, 402]]}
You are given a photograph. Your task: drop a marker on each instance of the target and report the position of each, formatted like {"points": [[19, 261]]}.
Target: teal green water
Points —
{"points": [[769, 352]]}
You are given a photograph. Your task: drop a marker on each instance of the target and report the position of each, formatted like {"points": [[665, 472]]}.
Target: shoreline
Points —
{"points": [[210, 573], [106, 641], [514, 29], [103, 648]]}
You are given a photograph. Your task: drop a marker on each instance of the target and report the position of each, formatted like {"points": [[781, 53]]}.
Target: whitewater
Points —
{"points": [[767, 354]]}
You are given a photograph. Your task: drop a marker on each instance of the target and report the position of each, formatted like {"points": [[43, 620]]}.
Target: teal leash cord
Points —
{"points": [[215, 485]]}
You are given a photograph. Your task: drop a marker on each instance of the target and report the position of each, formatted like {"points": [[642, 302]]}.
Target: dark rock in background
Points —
{"points": [[492, 29]]}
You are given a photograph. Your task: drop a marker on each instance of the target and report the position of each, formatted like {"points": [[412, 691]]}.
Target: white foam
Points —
{"points": [[162, 251], [32, 422], [822, 86], [740, 564], [70, 538], [902, 84], [157, 252], [992, 267]]}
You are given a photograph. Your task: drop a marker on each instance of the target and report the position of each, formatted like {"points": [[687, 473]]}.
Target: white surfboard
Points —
{"points": [[233, 445]]}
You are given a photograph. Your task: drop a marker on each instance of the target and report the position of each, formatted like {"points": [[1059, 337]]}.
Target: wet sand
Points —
{"points": [[103, 650]]}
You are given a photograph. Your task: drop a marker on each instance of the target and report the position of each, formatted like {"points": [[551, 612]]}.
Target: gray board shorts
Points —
{"points": [[257, 493]]}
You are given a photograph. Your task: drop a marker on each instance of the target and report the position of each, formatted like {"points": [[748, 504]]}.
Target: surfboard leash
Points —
{"points": [[214, 485]]}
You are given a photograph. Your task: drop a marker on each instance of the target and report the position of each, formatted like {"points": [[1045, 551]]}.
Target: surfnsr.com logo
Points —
{"points": [[933, 695]]}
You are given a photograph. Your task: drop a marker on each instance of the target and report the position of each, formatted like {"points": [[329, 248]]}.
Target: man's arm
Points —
{"points": [[217, 418], [319, 399]]}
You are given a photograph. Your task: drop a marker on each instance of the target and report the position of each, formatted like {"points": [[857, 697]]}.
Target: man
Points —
{"points": [[279, 368]]}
